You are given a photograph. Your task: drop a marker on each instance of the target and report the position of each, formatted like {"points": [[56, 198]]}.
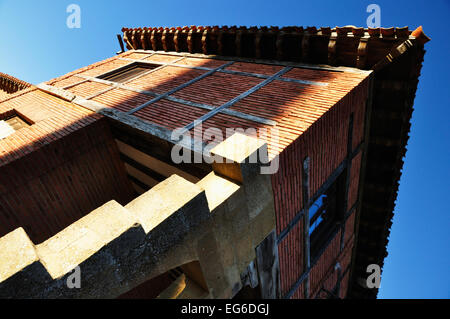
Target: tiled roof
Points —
{"points": [[349, 45], [395, 54], [10, 85]]}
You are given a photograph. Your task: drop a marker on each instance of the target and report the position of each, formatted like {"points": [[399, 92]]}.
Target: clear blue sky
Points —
{"points": [[37, 45]]}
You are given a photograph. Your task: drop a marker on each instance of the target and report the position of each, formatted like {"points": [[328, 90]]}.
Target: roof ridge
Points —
{"points": [[293, 43]]}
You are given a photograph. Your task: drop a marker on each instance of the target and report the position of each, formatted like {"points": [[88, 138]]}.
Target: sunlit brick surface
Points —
{"points": [[67, 153], [217, 89], [87, 89], [170, 114], [68, 81], [122, 100], [164, 80]]}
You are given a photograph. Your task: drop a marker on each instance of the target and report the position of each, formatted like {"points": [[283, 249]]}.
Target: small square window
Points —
{"points": [[16, 122], [128, 72], [5, 130], [11, 123]]}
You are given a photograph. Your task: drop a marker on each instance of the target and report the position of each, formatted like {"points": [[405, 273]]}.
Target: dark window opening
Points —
{"points": [[325, 214], [128, 72], [16, 123]]}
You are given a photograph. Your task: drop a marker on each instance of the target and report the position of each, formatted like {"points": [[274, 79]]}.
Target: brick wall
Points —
{"points": [[49, 188], [325, 142]]}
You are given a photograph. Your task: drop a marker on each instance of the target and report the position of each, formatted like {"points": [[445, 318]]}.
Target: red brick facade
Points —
{"points": [[58, 169], [325, 142], [312, 120]]}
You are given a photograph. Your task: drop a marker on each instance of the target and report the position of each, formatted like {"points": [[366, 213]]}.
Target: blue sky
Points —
{"points": [[37, 46]]}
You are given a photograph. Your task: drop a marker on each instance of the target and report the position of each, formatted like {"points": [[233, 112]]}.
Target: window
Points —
{"points": [[10, 124], [5, 129], [128, 72], [326, 213]]}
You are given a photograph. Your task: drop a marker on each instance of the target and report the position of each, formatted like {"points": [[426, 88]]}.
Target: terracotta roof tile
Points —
{"points": [[288, 43], [11, 84]]}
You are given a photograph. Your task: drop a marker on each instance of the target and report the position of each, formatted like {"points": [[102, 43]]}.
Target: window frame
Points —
{"points": [[11, 114], [110, 75], [326, 230]]}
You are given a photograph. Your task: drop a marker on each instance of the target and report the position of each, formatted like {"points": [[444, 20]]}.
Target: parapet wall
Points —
{"points": [[219, 222]]}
